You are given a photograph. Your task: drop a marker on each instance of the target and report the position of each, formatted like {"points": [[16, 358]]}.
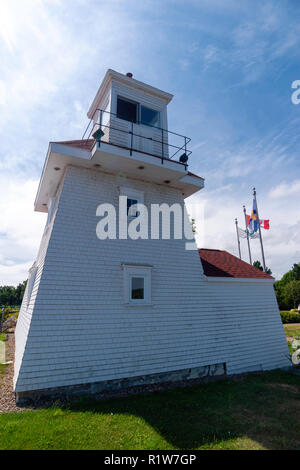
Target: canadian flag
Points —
{"points": [[263, 223]]}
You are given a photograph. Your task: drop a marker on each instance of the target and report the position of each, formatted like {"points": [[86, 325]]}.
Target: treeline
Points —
{"points": [[10, 295], [288, 289]]}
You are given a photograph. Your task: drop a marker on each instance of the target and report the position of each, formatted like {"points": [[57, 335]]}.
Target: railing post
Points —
{"points": [[100, 124], [162, 146]]}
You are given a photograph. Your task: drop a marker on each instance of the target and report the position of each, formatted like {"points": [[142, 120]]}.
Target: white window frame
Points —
{"points": [[116, 95], [130, 271], [51, 210], [151, 109], [30, 283], [137, 117], [132, 194]]}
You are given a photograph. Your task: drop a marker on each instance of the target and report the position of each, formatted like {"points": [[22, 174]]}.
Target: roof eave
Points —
{"points": [[264, 280], [110, 75]]}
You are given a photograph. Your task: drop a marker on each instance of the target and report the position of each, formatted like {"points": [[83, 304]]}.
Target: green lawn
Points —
{"points": [[260, 411], [292, 332], [2, 371]]}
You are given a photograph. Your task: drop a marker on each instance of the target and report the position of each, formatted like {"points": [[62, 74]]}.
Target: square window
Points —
{"points": [[137, 288], [137, 284], [127, 110], [131, 207], [134, 197]]}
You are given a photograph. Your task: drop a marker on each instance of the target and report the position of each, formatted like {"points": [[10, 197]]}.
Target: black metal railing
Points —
{"points": [[168, 144]]}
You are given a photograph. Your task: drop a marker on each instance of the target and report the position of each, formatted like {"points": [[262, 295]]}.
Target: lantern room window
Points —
{"points": [[137, 113], [127, 110], [150, 117]]}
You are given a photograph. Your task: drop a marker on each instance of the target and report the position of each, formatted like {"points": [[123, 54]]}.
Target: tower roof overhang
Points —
{"points": [[132, 82], [111, 159]]}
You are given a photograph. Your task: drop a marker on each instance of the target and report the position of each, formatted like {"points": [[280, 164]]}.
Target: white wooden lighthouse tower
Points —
{"points": [[104, 314]]}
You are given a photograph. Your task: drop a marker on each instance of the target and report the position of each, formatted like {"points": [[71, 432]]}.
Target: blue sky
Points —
{"points": [[230, 65]]}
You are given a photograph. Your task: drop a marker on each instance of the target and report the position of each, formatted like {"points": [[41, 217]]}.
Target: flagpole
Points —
{"points": [[247, 233], [238, 238], [259, 229]]}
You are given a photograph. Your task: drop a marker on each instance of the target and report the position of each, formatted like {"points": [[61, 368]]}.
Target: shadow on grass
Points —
{"points": [[263, 408]]}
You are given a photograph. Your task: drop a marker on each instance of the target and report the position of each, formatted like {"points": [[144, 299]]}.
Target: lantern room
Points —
{"points": [[132, 114]]}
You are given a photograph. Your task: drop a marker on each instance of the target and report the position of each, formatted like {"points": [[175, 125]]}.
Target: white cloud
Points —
{"points": [[40, 55], [15, 274], [210, 55], [20, 228], [284, 190]]}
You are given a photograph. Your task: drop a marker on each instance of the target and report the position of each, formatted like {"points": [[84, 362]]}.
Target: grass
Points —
{"points": [[259, 411], [292, 332], [2, 337], [2, 371]]}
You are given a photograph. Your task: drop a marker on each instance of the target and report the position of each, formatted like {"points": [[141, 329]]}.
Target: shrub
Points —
{"points": [[288, 317], [294, 310]]}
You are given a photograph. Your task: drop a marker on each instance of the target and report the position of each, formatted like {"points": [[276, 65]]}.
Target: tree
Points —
{"points": [[281, 300], [10, 295], [258, 265], [20, 289], [292, 275], [296, 271], [291, 293], [284, 299]]}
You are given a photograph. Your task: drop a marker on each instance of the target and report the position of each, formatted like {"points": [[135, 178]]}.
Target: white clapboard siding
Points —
{"points": [[26, 310], [77, 330]]}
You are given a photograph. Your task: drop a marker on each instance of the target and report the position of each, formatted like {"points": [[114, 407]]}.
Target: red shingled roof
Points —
{"points": [[220, 263]]}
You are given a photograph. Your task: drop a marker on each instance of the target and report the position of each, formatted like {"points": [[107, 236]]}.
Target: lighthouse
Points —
{"points": [[111, 303]]}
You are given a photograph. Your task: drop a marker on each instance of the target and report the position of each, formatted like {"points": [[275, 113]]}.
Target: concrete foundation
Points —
{"points": [[214, 371]]}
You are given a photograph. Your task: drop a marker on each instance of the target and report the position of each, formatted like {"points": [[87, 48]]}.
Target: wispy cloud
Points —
{"points": [[21, 228], [286, 189]]}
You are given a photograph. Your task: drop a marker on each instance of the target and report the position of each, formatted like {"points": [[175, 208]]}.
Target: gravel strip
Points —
{"points": [[7, 396]]}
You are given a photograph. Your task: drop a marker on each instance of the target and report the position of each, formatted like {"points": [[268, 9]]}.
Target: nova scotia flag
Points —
{"points": [[253, 222]]}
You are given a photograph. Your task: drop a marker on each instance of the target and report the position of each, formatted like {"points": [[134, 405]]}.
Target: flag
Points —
{"points": [[243, 234], [264, 223], [253, 223]]}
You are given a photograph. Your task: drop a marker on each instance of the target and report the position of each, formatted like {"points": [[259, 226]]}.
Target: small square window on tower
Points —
{"points": [[137, 288], [137, 284], [134, 197]]}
